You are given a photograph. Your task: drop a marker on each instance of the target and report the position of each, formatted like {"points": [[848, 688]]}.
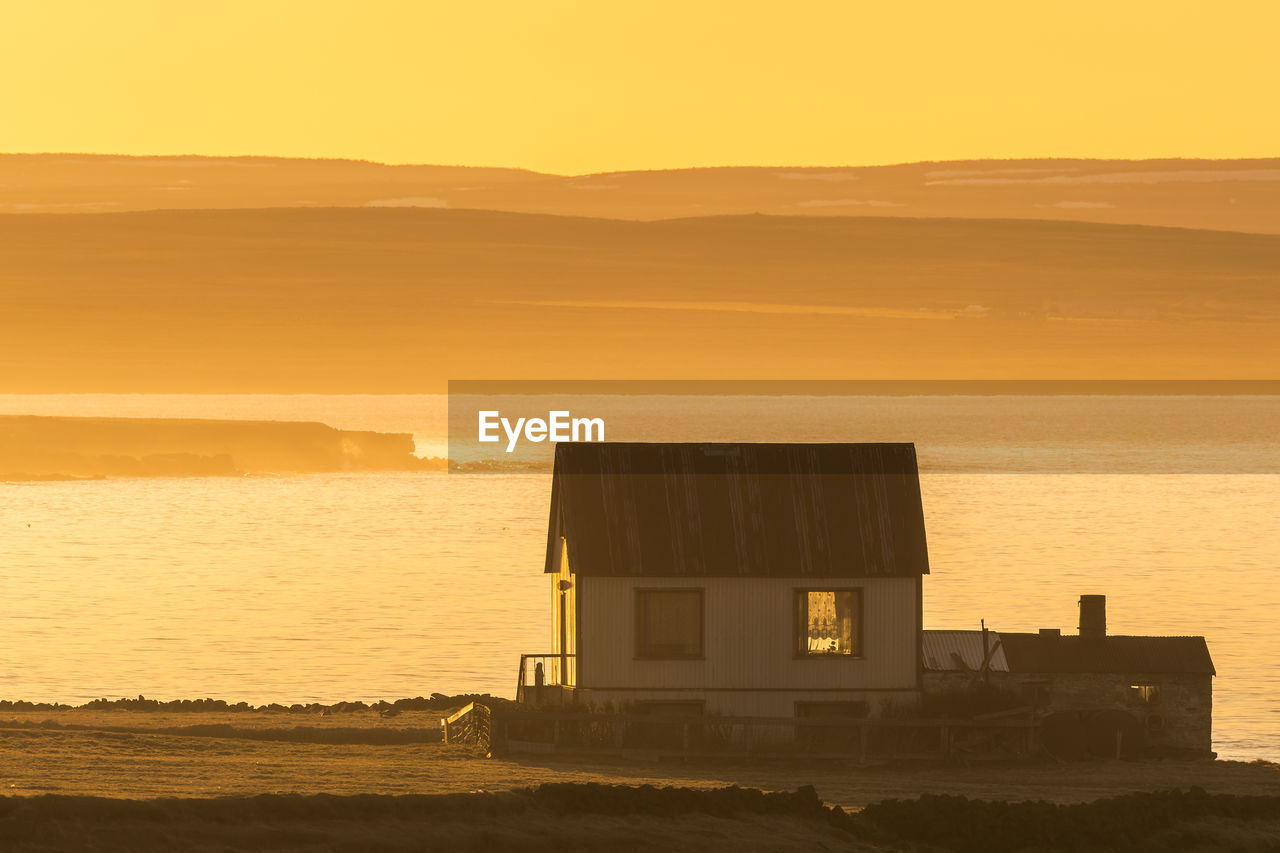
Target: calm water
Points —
{"points": [[331, 587]]}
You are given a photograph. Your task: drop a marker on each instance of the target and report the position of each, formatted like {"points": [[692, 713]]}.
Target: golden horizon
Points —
{"points": [[573, 88], [321, 158]]}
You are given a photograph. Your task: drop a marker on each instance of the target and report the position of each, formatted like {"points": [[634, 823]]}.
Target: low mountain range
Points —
{"points": [[261, 275]]}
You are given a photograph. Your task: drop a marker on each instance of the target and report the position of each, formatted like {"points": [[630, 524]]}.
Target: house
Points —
{"points": [[1156, 691], [748, 580]]}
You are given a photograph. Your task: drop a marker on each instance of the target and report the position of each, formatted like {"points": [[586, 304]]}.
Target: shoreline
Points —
{"points": [[194, 714], [137, 751], [145, 775], [436, 701], [57, 447]]}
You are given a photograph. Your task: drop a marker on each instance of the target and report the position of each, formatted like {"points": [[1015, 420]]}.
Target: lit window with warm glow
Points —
{"points": [[828, 622]]}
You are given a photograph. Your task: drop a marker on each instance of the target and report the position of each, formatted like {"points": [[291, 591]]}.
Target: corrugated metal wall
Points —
{"points": [[749, 636]]}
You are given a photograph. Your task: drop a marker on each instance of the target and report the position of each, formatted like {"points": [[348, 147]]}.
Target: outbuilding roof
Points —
{"points": [[1112, 653], [765, 510], [962, 651]]}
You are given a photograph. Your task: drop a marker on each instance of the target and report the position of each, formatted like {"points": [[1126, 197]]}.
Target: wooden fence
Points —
{"points": [[473, 723], [862, 741]]}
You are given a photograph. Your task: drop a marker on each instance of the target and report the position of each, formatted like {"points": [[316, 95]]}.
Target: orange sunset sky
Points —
{"points": [[574, 87]]}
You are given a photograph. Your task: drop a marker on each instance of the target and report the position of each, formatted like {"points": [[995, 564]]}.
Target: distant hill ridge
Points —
{"points": [[401, 300], [1233, 195]]}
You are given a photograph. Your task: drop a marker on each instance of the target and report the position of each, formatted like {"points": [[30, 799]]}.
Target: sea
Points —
{"points": [[383, 585]]}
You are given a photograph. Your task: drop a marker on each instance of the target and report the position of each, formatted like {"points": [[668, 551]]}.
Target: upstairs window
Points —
{"points": [[828, 622], [668, 623]]}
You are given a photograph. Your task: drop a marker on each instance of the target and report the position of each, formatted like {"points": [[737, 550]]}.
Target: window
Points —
{"points": [[1148, 694], [669, 623], [828, 622]]}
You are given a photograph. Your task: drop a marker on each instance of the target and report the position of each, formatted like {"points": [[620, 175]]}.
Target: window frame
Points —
{"points": [[800, 624], [640, 652]]}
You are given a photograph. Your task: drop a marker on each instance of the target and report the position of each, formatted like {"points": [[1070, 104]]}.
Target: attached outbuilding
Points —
{"points": [[1156, 693]]}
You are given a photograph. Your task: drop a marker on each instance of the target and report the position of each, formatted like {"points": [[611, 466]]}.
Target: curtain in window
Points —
{"points": [[830, 621]]}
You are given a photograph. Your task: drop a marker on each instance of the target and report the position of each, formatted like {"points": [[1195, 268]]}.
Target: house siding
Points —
{"points": [[745, 703], [749, 644]]}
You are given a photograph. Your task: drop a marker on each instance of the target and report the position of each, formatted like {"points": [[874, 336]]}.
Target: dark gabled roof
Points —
{"points": [[765, 510], [1038, 653]]}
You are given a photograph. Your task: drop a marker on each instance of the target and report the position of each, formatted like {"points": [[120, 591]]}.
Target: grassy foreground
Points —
{"points": [[156, 776], [592, 816]]}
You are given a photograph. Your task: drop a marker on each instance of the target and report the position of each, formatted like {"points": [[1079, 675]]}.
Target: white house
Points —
{"points": [[769, 580]]}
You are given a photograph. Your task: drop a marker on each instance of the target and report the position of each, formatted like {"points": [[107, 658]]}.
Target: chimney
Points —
{"points": [[1093, 616], [1050, 632]]}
